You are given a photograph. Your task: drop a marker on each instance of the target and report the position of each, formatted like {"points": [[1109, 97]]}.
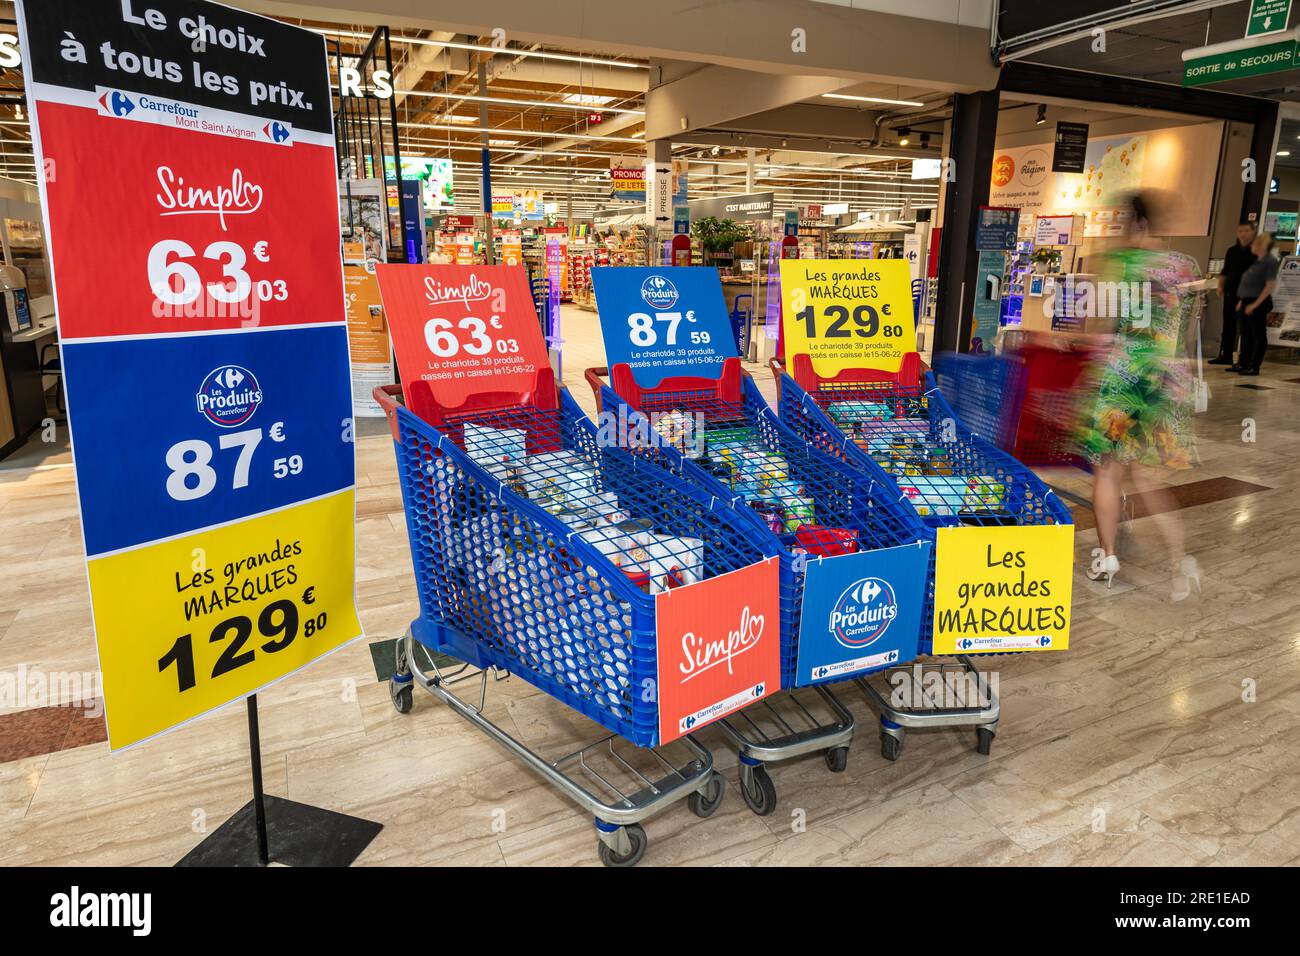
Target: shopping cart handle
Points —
{"points": [[774, 364], [594, 376], [387, 396]]}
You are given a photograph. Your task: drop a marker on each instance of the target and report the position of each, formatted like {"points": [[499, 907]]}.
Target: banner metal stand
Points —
{"points": [[270, 829]]}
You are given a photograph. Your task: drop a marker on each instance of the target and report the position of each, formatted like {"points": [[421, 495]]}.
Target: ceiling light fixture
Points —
{"points": [[871, 99], [1042, 115], [481, 48], [512, 101], [904, 136]]}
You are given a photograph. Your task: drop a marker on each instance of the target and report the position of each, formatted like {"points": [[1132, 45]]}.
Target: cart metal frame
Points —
{"points": [[895, 720], [756, 746], [618, 815]]}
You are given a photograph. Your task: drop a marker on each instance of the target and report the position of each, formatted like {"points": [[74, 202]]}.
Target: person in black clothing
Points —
{"points": [[1236, 261], [1254, 303]]}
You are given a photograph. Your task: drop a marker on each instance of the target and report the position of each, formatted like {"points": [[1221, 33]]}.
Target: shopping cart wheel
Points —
{"points": [[890, 746], [704, 802], [757, 788], [837, 759], [984, 739], [401, 695], [636, 835]]}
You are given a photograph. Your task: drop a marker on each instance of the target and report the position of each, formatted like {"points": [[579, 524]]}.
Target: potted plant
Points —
{"points": [[1045, 259], [718, 235]]}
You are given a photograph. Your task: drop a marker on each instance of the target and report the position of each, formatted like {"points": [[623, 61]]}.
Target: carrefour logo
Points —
{"points": [[658, 292], [863, 612], [119, 104], [276, 132], [229, 396]]}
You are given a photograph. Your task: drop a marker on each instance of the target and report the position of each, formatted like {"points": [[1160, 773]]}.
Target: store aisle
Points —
{"points": [[1169, 734]]}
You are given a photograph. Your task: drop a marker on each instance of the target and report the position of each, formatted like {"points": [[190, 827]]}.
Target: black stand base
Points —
{"points": [[297, 835]]}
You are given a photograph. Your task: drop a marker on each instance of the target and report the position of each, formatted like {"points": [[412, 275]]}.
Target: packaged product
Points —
{"points": [[494, 448], [824, 541]]}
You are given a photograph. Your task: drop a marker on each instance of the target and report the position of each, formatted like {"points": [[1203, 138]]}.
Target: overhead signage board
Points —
{"points": [[627, 180], [204, 349], [1220, 65], [1267, 16], [1070, 148], [750, 206], [663, 322]]}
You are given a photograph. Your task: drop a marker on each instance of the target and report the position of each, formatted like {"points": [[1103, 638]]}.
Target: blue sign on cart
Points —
{"points": [[861, 612], [663, 322]]}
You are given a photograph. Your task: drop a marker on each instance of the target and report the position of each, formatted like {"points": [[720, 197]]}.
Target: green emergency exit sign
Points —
{"points": [[1231, 65], [1267, 16]]}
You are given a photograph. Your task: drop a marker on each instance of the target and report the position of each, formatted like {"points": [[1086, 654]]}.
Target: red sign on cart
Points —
{"points": [[463, 329], [719, 647]]}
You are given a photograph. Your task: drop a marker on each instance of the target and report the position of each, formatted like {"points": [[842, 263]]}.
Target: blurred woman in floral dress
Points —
{"points": [[1141, 420]]}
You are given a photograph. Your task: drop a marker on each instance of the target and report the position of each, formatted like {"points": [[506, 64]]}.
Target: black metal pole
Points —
{"points": [[259, 800]]}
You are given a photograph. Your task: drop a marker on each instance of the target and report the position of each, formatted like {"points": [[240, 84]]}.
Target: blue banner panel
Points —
{"points": [[663, 322], [228, 429], [861, 612]]}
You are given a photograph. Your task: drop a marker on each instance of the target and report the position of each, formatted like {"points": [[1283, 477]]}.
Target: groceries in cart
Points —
{"points": [[896, 432], [566, 485]]}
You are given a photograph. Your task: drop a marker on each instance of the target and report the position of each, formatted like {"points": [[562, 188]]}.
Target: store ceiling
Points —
{"points": [[1153, 51], [557, 116]]}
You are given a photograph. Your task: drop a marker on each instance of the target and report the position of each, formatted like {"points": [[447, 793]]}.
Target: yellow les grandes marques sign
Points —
{"points": [[1003, 589], [848, 313]]}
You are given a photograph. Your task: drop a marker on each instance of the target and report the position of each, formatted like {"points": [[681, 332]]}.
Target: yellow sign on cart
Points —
{"points": [[848, 313], [1003, 589]]}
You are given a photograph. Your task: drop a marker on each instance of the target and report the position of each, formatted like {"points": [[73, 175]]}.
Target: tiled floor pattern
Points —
{"points": [[1169, 734]]}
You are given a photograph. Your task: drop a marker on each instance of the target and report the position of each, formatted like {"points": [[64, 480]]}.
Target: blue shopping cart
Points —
{"points": [[901, 429], [524, 563], [836, 509]]}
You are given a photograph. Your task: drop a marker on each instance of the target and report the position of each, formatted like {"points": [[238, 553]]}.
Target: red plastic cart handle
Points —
{"points": [[387, 396], [594, 376]]}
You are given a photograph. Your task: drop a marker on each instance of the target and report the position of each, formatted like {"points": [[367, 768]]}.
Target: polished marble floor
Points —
{"points": [[1168, 735]]}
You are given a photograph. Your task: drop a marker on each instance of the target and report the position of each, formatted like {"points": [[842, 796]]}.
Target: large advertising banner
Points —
{"points": [[463, 329], [848, 313], [861, 612], [663, 322], [193, 227], [719, 647], [1003, 589]]}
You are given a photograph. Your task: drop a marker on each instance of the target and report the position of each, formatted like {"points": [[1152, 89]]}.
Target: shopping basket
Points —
{"points": [[842, 508], [885, 422], [504, 497]]}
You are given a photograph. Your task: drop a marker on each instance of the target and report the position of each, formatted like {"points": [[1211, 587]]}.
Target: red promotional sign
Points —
{"points": [[719, 647], [463, 329], [210, 233]]}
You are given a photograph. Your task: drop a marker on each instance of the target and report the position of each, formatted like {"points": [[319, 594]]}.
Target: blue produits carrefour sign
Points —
{"points": [[663, 322], [861, 612]]}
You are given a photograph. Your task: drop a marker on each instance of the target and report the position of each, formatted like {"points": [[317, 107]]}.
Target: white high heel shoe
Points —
{"points": [[1189, 573], [1103, 564]]}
